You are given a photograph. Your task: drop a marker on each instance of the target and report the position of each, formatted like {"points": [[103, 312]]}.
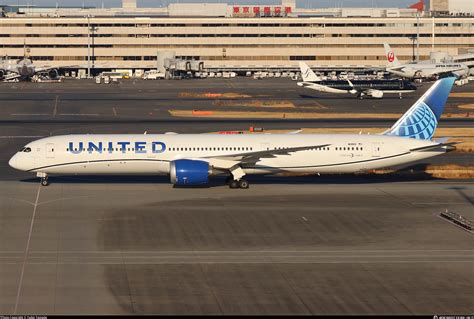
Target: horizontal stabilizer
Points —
{"points": [[447, 146]]}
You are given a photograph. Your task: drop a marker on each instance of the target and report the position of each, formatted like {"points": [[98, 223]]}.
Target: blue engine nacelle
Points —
{"points": [[189, 172]]}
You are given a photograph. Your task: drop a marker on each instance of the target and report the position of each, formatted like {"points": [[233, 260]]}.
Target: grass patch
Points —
{"points": [[302, 115]]}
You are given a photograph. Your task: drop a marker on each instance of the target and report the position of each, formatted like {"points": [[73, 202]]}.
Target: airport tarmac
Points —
{"points": [[286, 246], [300, 245], [79, 100]]}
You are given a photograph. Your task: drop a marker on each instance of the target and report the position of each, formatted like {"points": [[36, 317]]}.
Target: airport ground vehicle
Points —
{"points": [[153, 75], [113, 75]]}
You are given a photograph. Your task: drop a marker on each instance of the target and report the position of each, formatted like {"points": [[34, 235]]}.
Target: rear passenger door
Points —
{"points": [[376, 149]]}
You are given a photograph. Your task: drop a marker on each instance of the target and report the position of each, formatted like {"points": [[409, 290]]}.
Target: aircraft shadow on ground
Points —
{"points": [[411, 173], [462, 193], [350, 97]]}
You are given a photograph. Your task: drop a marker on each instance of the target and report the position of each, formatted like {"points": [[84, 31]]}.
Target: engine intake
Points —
{"points": [[376, 94], [53, 74], [189, 172]]}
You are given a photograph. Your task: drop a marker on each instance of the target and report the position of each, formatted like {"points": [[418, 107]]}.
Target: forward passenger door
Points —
{"points": [[49, 150]]}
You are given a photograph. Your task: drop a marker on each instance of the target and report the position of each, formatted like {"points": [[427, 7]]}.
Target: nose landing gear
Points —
{"points": [[44, 181], [44, 178]]}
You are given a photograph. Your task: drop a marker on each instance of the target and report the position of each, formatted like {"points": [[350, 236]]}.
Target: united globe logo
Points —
{"points": [[420, 123]]}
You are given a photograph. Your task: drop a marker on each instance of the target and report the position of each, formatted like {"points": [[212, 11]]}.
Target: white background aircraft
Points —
{"points": [[190, 159], [374, 88], [422, 69], [25, 68]]}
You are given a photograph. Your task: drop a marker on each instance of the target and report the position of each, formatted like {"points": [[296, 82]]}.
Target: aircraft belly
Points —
{"points": [[335, 164], [110, 167], [332, 90]]}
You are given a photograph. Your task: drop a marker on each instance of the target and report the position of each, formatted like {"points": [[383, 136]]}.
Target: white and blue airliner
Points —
{"points": [[191, 159]]}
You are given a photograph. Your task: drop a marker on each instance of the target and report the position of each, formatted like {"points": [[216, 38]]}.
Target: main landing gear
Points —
{"points": [[236, 180], [44, 179], [242, 183]]}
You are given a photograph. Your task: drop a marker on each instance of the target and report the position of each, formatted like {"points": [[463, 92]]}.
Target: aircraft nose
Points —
{"points": [[13, 161]]}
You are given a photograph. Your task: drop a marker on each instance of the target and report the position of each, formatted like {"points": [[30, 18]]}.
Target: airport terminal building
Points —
{"points": [[229, 37]]}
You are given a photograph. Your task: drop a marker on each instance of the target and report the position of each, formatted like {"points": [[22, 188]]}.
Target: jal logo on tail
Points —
{"points": [[391, 56]]}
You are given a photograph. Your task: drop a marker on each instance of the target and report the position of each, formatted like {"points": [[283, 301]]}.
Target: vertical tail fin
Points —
{"points": [[307, 74], [421, 120], [390, 54]]}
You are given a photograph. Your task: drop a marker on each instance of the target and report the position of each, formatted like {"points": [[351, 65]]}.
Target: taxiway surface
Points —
{"points": [[303, 245]]}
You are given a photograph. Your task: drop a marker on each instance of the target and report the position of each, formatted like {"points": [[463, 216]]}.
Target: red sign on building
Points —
{"points": [[288, 9], [236, 9], [256, 10], [246, 9], [266, 10], [277, 10]]}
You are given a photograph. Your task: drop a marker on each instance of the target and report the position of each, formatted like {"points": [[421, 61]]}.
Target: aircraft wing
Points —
{"points": [[42, 69], [228, 161], [305, 84], [46, 68], [10, 75]]}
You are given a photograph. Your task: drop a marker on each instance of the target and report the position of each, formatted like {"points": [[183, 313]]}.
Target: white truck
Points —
{"points": [[153, 75]]}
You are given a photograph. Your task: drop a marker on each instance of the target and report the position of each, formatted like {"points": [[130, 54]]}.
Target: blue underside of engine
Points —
{"points": [[190, 172]]}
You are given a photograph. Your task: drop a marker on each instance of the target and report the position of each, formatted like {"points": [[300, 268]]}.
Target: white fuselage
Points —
{"points": [[151, 154], [425, 70], [327, 89]]}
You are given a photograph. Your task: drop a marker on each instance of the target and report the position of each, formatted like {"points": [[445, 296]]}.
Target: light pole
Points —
{"points": [[88, 47], [89, 29], [93, 30], [413, 39], [417, 36]]}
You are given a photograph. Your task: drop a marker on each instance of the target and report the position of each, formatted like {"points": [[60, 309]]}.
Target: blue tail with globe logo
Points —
{"points": [[421, 120]]}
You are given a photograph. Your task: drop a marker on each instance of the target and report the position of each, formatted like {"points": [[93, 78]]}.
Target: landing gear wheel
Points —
{"points": [[243, 184], [44, 181], [234, 184]]}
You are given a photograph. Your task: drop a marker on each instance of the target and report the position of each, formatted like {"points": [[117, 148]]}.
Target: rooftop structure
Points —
{"points": [[287, 8], [129, 4], [452, 7]]}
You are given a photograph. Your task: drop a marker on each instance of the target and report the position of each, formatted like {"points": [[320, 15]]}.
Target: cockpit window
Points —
{"points": [[25, 149]]}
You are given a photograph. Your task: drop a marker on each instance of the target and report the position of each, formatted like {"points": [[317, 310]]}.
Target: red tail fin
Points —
{"points": [[420, 5]]}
